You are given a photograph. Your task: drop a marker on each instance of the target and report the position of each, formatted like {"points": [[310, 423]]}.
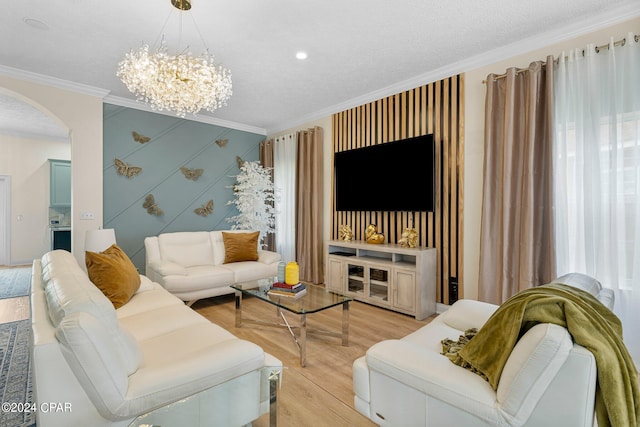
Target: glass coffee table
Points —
{"points": [[316, 299]]}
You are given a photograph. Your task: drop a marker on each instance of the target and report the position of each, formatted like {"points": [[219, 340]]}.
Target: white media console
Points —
{"points": [[386, 275]]}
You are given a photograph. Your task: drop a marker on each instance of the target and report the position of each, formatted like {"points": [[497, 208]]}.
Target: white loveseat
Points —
{"points": [[105, 366], [548, 379], [191, 265]]}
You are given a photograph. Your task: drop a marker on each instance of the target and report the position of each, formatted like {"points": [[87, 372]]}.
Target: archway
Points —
{"points": [[30, 135], [79, 108]]}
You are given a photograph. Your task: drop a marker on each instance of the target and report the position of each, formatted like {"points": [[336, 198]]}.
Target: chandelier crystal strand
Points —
{"points": [[182, 83]]}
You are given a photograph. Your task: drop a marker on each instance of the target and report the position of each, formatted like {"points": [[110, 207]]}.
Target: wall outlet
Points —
{"points": [[86, 215]]}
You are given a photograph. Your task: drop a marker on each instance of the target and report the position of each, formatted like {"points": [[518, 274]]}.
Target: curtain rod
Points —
{"points": [[622, 42]]}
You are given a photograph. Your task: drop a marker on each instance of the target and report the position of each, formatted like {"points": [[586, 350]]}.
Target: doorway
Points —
{"points": [[29, 137], [5, 218]]}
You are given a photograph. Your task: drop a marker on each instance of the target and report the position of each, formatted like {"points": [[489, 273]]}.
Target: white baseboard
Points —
{"points": [[25, 262], [441, 308]]}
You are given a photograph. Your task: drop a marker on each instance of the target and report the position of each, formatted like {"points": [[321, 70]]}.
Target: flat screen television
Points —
{"points": [[393, 176]]}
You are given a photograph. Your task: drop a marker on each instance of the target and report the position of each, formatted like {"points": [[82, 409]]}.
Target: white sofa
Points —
{"points": [[105, 366], [548, 379], [191, 266]]}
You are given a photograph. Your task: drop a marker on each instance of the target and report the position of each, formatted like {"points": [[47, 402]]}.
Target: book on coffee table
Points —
{"points": [[295, 292], [284, 286]]}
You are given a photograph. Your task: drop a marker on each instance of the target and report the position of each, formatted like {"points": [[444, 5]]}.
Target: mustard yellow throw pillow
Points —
{"points": [[240, 246], [114, 274]]}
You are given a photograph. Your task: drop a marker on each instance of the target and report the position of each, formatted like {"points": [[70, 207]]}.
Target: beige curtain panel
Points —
{"points": [[516, 242], [309, 250]]}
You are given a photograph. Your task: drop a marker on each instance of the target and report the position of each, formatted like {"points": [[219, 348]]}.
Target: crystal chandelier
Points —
{"points": [[183, 83]]}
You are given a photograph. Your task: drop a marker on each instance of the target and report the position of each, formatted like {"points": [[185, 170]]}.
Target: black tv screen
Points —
{"points": [[394, 176]]}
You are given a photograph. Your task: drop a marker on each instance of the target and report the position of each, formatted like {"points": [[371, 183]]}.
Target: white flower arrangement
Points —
{"points": [[254, 199]]}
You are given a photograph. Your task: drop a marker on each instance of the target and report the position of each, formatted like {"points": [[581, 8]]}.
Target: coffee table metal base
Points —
{"points": [[301, 338]]}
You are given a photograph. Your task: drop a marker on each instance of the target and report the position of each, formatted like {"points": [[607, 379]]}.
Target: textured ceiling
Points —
{"points": [[359, 50], [18, 118]]}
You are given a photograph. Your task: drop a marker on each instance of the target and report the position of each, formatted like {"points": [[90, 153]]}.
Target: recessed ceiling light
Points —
{"points": [[34, 23], [301, 55]]}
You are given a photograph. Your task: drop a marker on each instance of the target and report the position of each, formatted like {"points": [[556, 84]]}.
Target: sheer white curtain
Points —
{"points": [[284, 180], [597, 173]]}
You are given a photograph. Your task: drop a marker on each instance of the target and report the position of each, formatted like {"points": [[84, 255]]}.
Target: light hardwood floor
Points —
{"points": [[320, 394]]}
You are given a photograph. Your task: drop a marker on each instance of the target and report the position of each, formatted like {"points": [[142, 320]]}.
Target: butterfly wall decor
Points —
{"points": [[222, 142], [192, 174], [140, 138], [151, 206], [205, 210], [239, 161], [125, 169]]}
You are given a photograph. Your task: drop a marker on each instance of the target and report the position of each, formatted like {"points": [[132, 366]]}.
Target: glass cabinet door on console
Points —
{"points": [[378, 280], [355, 278], [367, 281]]}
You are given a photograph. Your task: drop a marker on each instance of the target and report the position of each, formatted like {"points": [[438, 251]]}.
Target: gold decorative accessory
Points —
{"points": [[373, 236], [409, 238], [222, 142], [151, 207], [126, 170], [192, 174], [140, 138], [182, 83], [345, 233], [205, 210], [239, 161]]}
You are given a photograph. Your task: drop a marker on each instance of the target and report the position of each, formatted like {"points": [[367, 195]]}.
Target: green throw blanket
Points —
{"points": [[590, 323]]}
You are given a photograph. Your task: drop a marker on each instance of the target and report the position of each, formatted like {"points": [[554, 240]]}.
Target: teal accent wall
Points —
{"points": [[174, 142]]}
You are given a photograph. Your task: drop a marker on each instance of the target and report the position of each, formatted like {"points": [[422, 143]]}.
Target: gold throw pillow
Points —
{"points": [[114, 274], [240, 246]]}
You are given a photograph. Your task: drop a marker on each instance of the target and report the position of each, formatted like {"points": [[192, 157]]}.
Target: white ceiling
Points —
{"points": [[359, 50], [21, 119]]}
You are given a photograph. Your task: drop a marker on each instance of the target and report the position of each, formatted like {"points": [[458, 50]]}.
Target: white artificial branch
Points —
{"points": [[254, 199]]}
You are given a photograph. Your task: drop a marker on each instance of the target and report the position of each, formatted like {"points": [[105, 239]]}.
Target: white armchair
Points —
{"points": [[548, 380]]}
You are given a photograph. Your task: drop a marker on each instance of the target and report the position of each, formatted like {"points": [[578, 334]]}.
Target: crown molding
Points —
{"points": [[129, 103], [104, 95], [52, 81], [576, 29], [35, 135]]}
